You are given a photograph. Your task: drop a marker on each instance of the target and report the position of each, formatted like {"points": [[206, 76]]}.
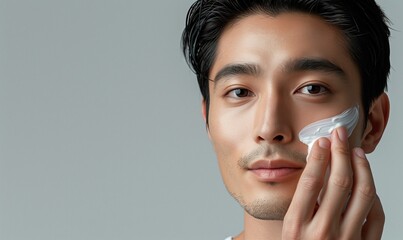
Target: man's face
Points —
{"points": [[272, 76]]}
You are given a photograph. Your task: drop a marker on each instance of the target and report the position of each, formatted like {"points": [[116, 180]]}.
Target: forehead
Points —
{"points": [[270, 41]]}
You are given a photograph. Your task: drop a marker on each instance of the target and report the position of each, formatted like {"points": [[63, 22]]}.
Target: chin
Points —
{"points": [[264, 206], [264, 209]]}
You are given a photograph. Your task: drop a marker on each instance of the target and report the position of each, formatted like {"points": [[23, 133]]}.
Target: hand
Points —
{"points": [[350, 208]]}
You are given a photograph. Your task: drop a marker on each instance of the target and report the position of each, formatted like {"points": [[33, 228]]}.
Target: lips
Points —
{"points": [[275, 170]]}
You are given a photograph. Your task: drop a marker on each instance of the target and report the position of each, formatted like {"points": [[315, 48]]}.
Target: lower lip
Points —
{"points": [[274, 174]]}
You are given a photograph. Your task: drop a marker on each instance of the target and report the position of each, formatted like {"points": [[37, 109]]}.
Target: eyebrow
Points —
{"points": [[294, 65], [237, 69], [313, 64]]}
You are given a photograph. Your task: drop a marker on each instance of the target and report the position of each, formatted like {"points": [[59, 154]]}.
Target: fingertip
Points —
{"points": [[342, 134], [324, 143], [359, 152]]}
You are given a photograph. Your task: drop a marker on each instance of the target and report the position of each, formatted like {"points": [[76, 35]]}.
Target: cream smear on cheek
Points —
{"points": [[323, 128]]}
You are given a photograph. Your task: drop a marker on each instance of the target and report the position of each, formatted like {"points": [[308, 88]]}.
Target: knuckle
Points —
{"points": [[311, 183], [342, 150], [344, 182], [367, 191], [319, 157]]}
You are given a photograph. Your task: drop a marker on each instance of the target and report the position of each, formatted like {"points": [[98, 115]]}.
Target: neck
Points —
{"points": [[260, 229]]}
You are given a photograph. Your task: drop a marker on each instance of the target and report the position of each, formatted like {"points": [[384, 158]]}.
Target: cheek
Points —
{"points": [[225, 137], [230, 135], [229, 130]]}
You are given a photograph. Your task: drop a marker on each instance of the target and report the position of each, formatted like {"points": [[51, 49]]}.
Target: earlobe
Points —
{"points": [[378, 117]]}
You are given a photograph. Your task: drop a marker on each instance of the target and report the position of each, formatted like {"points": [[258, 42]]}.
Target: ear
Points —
{"points": [[204, 114], [204, 111], [376, 123]]}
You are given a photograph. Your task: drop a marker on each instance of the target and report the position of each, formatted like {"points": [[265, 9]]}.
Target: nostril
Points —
{"points": [[278, 138]]}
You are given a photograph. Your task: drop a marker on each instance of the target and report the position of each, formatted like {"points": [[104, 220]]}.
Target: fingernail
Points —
{"points": [[359, 152], [342, 134], [324, 143]]}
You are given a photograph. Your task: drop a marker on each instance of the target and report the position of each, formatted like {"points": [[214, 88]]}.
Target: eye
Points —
{"points": [[313, 89], [240, 93]]}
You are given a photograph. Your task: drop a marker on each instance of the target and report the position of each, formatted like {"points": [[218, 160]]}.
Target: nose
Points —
{"points": [[272, 120]]}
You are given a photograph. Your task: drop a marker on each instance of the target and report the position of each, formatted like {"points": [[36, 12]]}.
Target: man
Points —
{"points": [[268, 68]]}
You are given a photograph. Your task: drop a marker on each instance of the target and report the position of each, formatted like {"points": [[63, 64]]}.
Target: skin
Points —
{"points": [[261, 97]]}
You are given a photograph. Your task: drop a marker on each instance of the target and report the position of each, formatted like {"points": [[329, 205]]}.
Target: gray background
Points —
{"points": [[101, 135]]}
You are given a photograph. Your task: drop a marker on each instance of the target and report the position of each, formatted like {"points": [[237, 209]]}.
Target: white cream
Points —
{"points": [[323, 128]]}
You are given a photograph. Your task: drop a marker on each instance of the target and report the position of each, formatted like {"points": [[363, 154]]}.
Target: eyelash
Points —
{"points": [[322, 89], [303, 90], [233, 91]]}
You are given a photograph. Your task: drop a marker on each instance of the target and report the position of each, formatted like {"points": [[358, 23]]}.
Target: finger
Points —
{"points": [[340, 180], [310, 183], [362, 197], [373, 227]]}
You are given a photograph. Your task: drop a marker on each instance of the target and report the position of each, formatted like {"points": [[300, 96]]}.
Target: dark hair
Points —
{"points": [[363, 23]]}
